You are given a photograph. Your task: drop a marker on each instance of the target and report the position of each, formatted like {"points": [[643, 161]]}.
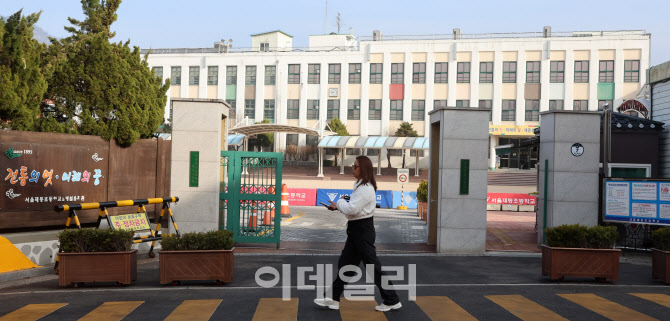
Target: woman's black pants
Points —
{"points": [[360, 246]]}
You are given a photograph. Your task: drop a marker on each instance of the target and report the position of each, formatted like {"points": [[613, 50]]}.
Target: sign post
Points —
{"points": [[403, 177]]}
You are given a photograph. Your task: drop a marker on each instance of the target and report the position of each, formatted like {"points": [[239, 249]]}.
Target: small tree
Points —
{"points": [[262, 140], [405, 130], [336, 125]]}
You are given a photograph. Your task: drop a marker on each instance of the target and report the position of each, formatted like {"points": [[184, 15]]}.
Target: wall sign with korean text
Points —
{"points": [[638, 201]]}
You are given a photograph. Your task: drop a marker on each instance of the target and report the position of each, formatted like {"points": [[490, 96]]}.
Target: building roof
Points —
{"points": [[374, 142], [277, 128], [623, 122], [273, 31]]}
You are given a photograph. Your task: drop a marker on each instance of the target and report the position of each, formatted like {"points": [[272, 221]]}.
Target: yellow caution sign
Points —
{"points": [[11, 259]]}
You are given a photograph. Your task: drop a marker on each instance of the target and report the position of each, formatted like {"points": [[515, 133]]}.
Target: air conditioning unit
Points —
{"points": [[376, 35]]}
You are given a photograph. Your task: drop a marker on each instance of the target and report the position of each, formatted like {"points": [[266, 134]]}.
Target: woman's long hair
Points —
{"points": [[367, 172]]}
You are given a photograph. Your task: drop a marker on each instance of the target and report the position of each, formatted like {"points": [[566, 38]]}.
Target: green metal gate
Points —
{"points": [[250, 196]]}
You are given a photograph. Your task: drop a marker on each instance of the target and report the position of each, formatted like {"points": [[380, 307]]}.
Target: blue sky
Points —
{"points": [[199, 23]]}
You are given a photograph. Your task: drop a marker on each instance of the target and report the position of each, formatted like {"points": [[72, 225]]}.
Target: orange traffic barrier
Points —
{"points": [[269, 214], [284, 200]]}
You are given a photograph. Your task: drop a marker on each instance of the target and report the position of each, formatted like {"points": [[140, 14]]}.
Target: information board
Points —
{"points": [[135, 221], [637, 201]]}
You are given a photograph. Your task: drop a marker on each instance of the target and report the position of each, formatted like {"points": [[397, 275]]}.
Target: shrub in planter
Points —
{"points": [[197, 256], [96, 255], [577, 250], [422, 191], [660, 254]]}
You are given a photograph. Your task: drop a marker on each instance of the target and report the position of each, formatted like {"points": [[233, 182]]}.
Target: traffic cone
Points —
{"points": [[284, 201], [269, 214], [252, 218]]}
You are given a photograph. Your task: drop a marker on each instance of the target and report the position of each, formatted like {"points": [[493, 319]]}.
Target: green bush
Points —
{"points": [[661, 239], [422, 191], [580, 236], [200, 241], [95, 240]]}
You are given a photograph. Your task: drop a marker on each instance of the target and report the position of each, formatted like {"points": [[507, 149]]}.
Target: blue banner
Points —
{"points": [[384, 198], [409, 199], [325, 195], [637, 201]]}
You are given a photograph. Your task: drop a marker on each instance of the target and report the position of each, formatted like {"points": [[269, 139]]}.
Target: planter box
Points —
{"points": [[422, 209], [120, 267], [196, 265], [660, 265], [559, 262]]}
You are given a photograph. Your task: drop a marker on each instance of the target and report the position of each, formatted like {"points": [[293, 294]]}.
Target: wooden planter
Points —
{"points": [[660, 265], [559, 262], [422, 209], [119, 267], [196, 265]]}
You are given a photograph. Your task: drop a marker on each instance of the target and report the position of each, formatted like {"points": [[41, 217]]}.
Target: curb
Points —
{"points": [[28, 273]]}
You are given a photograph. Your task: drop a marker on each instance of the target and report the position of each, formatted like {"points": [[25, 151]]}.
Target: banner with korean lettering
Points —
{"points": [[510, 198], [384, 198], [406, 199], [637, 201], [301, 196], [511, 130]]}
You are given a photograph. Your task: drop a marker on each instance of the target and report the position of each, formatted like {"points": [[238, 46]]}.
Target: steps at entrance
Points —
{"points": [[513, 177]]}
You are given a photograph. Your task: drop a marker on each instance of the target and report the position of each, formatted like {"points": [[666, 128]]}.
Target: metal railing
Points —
{"points": [[223, 50], [515, 35]]}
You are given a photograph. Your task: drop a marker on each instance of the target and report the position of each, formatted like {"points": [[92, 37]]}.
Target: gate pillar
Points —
{"points": [[197, 127]]}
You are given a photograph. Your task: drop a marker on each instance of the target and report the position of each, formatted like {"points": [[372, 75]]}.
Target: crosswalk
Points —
{"points": [[437, 308]]}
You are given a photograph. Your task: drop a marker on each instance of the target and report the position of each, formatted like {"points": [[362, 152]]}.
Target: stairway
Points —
{"points": [[513, 177]]}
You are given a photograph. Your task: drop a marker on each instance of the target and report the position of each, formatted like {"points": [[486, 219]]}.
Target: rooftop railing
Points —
{"points": [[516, 35], [223, 50]]}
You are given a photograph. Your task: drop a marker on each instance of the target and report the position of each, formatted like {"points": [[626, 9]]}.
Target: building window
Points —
{"points": [[601, 103], [606, 73], [354, 151], [291, 139], [265, 46], [232, 103], [582, 71], [158, 72], [231, 75], [175, 75], [250, 108], [509, 72], [313, 73], [396, 110], [269, 110], [398, 73], [312, 109], [439, 104], [294, 74], [376, 73], [441, 69], [532, 110], [462, 103], [372, 152], [293, 109], [532, 72], [556, 104], [486, 72], [557, 71], [311, 140], [333, 109], [418, 110], [508, 110], [250, 77], [354, 109], [193, 75], [631, 71], [354, 73], [270, 75], [419, 73], [487, 104], [334, 73], [463, 72], [412, 153], [375, 109], [580, 105], [212, 75]]}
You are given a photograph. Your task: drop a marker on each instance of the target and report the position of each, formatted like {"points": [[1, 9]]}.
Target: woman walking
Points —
{"points": [[360, 245]]}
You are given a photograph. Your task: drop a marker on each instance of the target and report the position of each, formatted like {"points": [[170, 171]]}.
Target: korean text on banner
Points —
{"points": [[384, 198], [510, 198], [301, 196]]}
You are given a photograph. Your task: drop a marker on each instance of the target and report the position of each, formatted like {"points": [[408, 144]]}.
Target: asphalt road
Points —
{"points": [[447, 288]]}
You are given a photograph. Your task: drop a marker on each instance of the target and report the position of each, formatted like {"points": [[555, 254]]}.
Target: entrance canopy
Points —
{"points": [[255, 129], [372, 142]]}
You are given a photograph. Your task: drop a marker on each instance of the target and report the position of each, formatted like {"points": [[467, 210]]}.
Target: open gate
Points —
{"points": [[250, 194]]}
